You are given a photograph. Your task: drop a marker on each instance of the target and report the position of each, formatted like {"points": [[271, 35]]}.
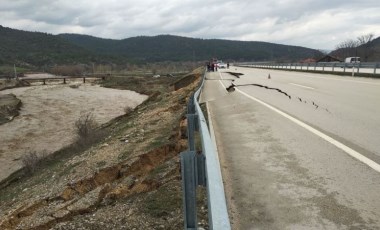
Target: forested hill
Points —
{"points": [[34, 48], [175, 48], [40, 49]]}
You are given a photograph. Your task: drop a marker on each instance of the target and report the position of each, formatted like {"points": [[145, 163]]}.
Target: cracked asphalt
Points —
{"points": [[279, 175]]}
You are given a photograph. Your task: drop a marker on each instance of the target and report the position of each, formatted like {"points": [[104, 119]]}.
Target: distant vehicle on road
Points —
{"points": [[222, 65], [352, 60]]}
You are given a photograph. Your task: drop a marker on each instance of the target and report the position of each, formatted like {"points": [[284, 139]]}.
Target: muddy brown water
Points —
{"points": [[47, 117]]}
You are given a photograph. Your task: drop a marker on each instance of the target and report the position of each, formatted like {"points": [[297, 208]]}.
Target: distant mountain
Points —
{"points": [[374, 52], [35, 48], [40, 49], [175, 48]]}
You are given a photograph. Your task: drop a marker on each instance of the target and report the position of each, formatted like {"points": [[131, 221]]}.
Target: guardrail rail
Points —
{"points": [[338, 67], [202, 170]]}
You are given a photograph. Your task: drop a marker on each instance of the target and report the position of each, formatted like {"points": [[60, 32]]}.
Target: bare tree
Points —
{"points": [[364, 45], [365, 39], [346, 48], [359, 47]]}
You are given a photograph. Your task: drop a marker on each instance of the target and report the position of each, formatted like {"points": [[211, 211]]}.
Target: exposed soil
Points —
{"points": [[130, 180]]}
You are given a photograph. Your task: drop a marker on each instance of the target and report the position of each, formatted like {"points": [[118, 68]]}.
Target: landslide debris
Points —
{"points": [[129, 180]]}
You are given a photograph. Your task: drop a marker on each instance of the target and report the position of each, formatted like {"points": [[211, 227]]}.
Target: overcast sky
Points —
{"points": [[319, 24]]}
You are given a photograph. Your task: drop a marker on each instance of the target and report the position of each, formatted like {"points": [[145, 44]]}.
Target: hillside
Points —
{"points": [[41, 49], [175, 48], [34, 48], [375, 45]]}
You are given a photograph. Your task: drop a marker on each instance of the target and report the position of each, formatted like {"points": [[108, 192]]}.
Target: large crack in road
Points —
{"points": [[232, 87]]}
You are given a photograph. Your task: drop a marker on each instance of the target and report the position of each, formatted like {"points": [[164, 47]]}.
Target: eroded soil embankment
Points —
{"points": [[103, 187], [130, 179]]}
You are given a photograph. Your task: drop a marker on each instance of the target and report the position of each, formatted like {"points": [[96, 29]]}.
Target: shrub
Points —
{"points": [[31, 161], [68, 70], [87, 130], [86, 125], [128, 109]]}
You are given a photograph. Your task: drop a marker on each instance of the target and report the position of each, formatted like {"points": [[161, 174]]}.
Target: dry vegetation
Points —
{"points": [[129, 179]]}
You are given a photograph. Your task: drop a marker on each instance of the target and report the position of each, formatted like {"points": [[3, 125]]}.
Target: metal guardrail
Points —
{"points": [[202, 170], [363, 67]]}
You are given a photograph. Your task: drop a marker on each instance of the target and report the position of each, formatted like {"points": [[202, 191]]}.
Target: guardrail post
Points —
{"points": [[358, 67], [333, 66], [191, 105], [344, 67], [191, 131], [201, 170], [374, 68], [188, 173]]}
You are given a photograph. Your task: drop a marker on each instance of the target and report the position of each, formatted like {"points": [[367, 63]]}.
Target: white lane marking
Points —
{"points": [[303, 86], [329, 139], [221, 81], [220, 74]]}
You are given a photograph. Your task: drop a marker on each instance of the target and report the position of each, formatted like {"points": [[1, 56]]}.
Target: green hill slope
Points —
{"points": [[175, 48], [39, 49], [21, 47]]}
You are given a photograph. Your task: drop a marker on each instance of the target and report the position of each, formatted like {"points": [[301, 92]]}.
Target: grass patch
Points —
{"points": [[159, 141], [163, 201], [7, 69], [67, 170], [101, 164]]}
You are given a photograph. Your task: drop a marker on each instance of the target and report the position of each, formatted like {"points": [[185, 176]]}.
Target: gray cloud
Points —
{"points": [[315, 24]]}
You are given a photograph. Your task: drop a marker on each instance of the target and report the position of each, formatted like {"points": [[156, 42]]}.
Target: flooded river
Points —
{"points": [[47, 117]]}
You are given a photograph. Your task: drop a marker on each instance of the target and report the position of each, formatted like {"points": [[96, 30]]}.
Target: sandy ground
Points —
{"points": [[48, 114]]}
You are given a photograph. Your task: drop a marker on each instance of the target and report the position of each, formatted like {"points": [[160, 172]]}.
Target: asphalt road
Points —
{"points": [[303, 153]]}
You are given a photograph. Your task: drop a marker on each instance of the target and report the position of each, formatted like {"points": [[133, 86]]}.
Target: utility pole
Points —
{"points": [[194, 65], [14, 67]]}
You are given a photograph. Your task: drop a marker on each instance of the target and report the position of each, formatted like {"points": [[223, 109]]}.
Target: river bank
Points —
{"points": [[47, 117]]}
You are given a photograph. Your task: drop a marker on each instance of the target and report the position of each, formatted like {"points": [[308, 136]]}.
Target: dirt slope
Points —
{"points": [[129, 180]]}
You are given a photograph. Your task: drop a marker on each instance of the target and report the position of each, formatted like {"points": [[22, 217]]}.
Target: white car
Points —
{"points": [[221, 65]]}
